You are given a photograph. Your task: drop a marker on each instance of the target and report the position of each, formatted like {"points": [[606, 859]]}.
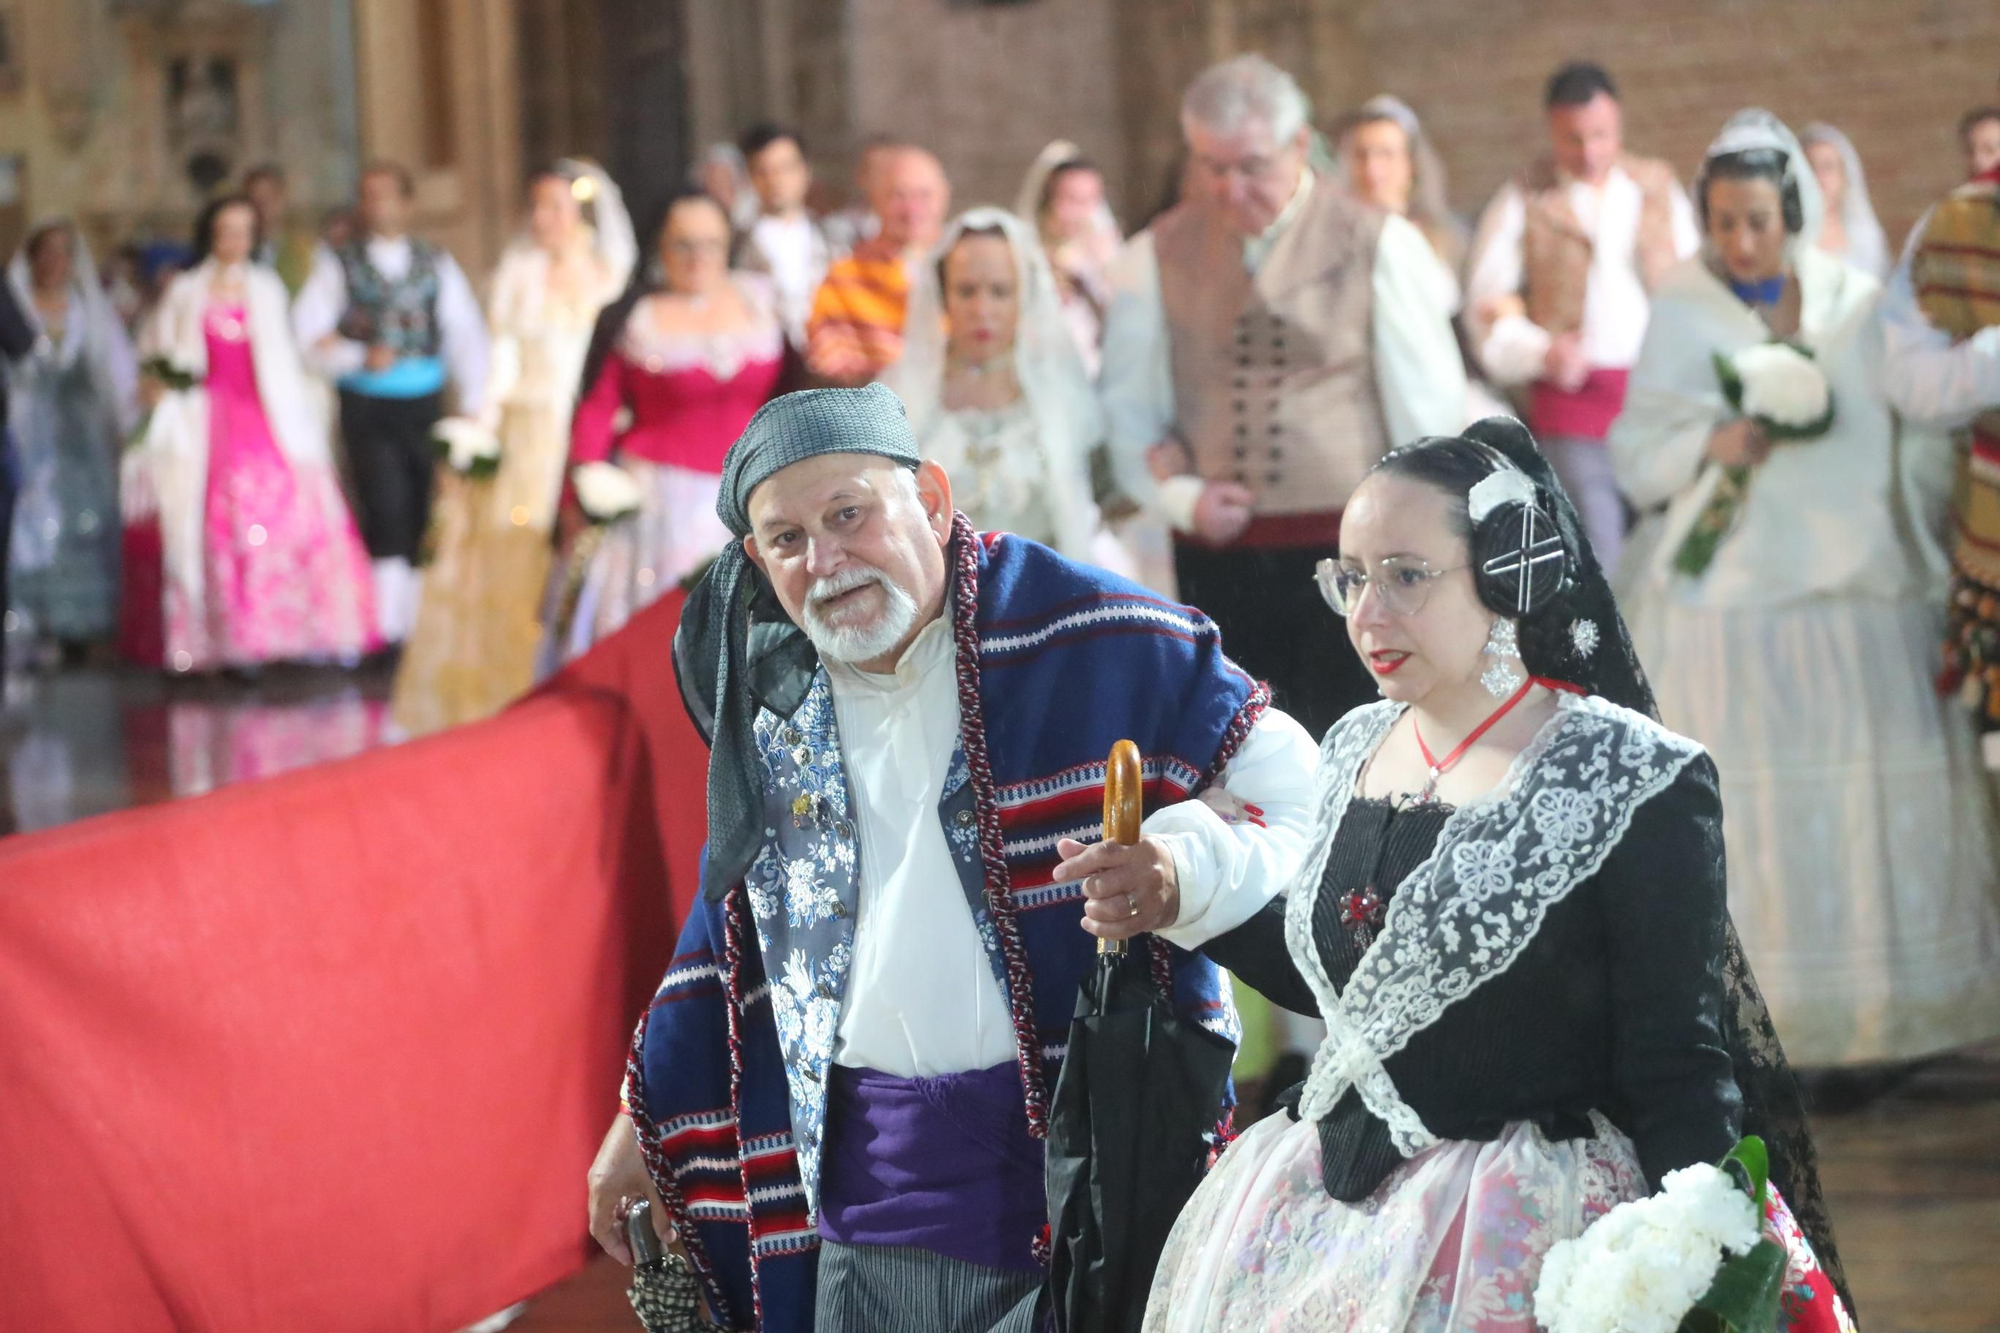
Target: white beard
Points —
{"points": [[859, 643]]}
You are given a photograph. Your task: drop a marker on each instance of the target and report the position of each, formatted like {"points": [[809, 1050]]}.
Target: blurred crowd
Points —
{"points": [[297, 443]]}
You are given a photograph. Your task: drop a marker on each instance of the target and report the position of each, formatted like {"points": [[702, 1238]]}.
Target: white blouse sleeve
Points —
{"points": [[1673, 403], [1512, 347], [464, 335], [1418, 369], [1136, 384], [1928, 377], [1228, 871]]}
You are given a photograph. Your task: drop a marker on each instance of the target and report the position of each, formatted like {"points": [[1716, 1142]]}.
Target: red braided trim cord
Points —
{"points": [[1239, 729], [732, 985], [999, 893]]}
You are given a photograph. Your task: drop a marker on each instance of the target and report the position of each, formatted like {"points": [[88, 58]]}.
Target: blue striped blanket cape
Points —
{"points": [[1056, 661]]}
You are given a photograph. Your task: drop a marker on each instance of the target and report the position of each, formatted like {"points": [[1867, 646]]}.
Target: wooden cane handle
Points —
{"points": [[1124, 785]]}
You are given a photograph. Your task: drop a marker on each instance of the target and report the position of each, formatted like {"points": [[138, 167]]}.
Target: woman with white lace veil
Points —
{"points": [[1849, 230], [1787, 590], [474, 645], [1062, 197], [995, 389], [74, 399], [1511, 917]]}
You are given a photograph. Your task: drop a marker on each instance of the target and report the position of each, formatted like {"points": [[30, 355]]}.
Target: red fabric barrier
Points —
{"points": [[334, 1050]]}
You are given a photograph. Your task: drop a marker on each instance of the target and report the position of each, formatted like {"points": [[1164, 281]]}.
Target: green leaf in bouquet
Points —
{"points": [[1717, 517], [169, 375], [1749, 1165], [1731, 382], [1747, 1292]]}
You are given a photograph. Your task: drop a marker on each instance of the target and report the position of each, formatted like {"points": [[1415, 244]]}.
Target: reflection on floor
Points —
{"points": [[1914, 1180], [92, 740]]}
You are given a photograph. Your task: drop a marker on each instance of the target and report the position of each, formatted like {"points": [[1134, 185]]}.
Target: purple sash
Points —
{"points": [[944, 1163]]}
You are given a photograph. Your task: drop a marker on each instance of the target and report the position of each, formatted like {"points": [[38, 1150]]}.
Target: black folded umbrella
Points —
{"points": [[1132, 1121]]}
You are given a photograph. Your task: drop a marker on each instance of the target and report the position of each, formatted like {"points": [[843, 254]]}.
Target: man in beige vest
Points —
{"points": [[1268, 339], [1559, 285]]}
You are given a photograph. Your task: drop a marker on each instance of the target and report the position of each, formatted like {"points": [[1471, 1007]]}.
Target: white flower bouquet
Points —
{"points": [[605, 492], [1691, 1259], [1779, 386], [466, 446]]}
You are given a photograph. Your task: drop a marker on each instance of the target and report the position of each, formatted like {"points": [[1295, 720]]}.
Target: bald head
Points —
{"points": [[911, 196]]}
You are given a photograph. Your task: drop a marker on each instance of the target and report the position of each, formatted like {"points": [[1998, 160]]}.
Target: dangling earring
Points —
{"points": [[1503, 675]]}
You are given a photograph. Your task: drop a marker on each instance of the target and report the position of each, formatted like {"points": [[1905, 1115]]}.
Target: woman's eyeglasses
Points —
{"points": [[1403, 582]]}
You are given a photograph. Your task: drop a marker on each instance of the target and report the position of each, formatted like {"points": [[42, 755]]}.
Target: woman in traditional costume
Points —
{"points": [[1849, 230], [1511, 917], [995, 389], [74, 399], [677, 368], [1062, 198], [479, 625], [260, 560], [1390, 162], [1787, 594]]}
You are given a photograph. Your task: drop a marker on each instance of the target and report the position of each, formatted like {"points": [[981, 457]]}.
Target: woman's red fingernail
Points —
{"points": [[1260, 823], [1255, 810]]}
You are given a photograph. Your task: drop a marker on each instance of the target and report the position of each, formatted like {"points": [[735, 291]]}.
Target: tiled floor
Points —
{"points": [[1914, 1180]]}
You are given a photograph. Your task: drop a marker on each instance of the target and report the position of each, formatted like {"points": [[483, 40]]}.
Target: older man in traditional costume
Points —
{"points": [[1560, 284], [842, 1087], [1941, 317], [1268, 340]]}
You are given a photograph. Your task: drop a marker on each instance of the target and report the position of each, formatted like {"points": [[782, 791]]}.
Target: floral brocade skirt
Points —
{"points": [[1452, 1241]]}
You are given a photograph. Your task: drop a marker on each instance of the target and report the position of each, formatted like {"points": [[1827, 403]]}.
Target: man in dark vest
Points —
{"points": [[1268, 339], [392, 321]]}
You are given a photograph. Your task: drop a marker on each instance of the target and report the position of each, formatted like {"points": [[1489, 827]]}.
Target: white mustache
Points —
{"points": [[846, 581]]}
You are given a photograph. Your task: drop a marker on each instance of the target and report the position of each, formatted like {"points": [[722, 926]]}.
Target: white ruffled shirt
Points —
{"points": [[922, 999]]}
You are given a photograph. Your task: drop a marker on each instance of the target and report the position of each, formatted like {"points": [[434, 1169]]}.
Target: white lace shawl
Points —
{"points": [[1463, 916]]}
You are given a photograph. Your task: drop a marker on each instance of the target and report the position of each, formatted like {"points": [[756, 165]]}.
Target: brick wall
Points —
{"points": [[987, 86], [1894, 76]]}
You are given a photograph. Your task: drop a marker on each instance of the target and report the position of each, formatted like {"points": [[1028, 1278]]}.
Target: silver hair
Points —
{"points": [[1246, 87]]}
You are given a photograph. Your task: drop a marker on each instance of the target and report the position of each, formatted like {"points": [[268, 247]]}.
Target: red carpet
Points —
{"points": [[333, 1050]]}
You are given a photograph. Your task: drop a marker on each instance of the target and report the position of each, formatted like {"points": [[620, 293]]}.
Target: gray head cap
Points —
{"points": [[798, 426]]}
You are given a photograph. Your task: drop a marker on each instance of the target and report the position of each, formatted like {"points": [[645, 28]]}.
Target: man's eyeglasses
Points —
{"points": [[1403, 582]]}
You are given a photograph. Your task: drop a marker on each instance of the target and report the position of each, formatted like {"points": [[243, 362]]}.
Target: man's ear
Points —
{"points": [[934, 493], [750, 549]]}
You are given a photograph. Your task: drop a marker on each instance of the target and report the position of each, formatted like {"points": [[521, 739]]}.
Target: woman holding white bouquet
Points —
{"points": [[677, 369], [1786, 592], [474, 645], [1511, 917], [259, 558]]}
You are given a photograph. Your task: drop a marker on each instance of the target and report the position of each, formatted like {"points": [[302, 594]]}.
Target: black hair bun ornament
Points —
{"points": [[1519, 560]]}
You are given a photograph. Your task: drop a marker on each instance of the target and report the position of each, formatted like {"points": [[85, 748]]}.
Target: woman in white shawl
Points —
{"points": [[260, 560], [995, 389], [1849, 230], [73, 401], [1795, 634], [477, 632]]}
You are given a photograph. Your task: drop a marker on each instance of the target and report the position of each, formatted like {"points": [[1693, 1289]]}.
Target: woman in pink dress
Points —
{"points": [[690, 355], [260, 558]]}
